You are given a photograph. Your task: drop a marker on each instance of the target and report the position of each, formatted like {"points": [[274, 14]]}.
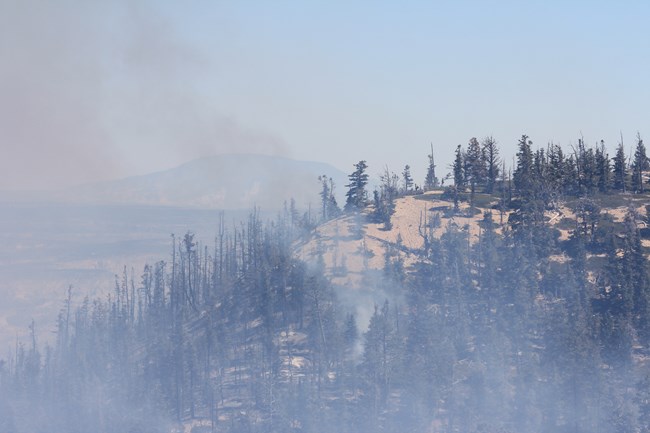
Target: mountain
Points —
{"points": [[234, 181]]}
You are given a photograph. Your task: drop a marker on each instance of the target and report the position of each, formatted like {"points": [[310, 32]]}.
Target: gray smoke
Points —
{"points": [[98, 90]]}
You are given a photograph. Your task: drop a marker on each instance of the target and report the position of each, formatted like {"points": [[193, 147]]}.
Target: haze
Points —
{"points": [[101, 90]]}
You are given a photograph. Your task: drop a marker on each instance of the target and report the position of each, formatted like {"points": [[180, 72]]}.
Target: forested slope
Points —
{"points": [[523, 307]]}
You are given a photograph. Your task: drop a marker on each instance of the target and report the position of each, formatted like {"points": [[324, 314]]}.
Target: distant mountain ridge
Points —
{"points": [[233, 181]]}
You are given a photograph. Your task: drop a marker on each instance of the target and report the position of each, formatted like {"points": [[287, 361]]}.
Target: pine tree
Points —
{"points": [[586, 167], [639, 165], [637, 276], [620, 169], [380, 357], [474, 165], [491, 163], [603, 169], [523, 176], [616, 301], [571, 184], [384, 200], [459, 172], [408, 179], [431, 181], [488, 259], [329, 207], [556, 167], [543, 187], [356, 195]]}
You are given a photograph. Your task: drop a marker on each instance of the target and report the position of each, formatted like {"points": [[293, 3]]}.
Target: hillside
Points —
{"points": [[347, 257]]}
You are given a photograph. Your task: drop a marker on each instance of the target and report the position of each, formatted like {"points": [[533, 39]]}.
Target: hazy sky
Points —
{"points": [[102, 89]]}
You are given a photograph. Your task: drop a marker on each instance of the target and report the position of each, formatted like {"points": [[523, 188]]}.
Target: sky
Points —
{"points": [[94, 90]]}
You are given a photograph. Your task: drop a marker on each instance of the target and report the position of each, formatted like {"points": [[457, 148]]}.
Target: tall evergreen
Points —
{"points": [[524, 179], [586, 167], [490, 153], [475, 170], [620, 169], [637, 275], [329, 206], [556, 168], [640, 164], [571, 184], [488, 258], [357, 195], [384, 199], [407, 178], [381, 358], [459, 170], [431, 181], [603, 168]]}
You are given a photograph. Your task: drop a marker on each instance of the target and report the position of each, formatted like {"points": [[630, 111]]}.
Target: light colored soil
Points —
{"points": [[347, 257]]}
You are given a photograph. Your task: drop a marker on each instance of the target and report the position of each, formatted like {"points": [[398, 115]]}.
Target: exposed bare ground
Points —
{"points": [[347, 256]]}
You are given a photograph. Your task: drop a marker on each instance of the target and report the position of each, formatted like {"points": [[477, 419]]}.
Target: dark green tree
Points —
{"points": [[556, 168], [639, 165], [380, 359], [488, 260], [490, 153], [329, 206], [475, 170], [586, 167], [620, 169], [356, 195], [524, 179], [459, 171], [603, 169], [384, 199], [636, 275], [431, 181], [407, 178]]}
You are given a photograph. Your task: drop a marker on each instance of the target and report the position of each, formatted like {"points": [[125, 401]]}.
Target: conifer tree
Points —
{"points": [[431, 181], [408, 179], [356, 195], [603, 169], [488, 259], [329, 207], [384, 200], [474, 165], [636, 276], [523, 175], [571, 183], [586, 167], [639, 165], [459, 171], [620, 169], [490, 153], [556, 167], [380, 357]]}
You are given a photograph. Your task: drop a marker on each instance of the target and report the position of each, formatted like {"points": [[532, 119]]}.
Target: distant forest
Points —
{"points": [[519, 332]]}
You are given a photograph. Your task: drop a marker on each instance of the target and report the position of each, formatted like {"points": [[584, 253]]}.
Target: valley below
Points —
{"points": [[46, 248]]}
